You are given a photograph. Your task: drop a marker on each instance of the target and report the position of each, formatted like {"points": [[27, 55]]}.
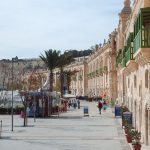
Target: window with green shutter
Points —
{"points": [[129, 48], [142, 29]]}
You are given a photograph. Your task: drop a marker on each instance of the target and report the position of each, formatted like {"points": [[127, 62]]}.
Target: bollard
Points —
{"points": [[1, 129]]}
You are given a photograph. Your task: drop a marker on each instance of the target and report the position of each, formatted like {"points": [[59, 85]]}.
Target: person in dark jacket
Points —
{"points": [[78, 101], [100, 105]]}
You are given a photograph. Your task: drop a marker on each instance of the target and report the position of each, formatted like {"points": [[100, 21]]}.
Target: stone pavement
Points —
{"points": [[71, 131]]}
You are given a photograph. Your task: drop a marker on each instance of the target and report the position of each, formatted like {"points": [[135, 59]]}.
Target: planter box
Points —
{"points": [[126, 131], [129, 138], [136, 146]]}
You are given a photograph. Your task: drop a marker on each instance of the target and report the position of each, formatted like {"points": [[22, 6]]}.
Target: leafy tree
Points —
{"points": [[76, 53]]}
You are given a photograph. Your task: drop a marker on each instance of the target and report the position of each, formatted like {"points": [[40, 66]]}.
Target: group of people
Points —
{"points": [[74, 103], [102, 105]]}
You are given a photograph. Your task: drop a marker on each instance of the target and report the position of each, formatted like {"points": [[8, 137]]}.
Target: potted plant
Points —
{"points": [[136, 137], [124, 109], [127, 128], [129, 134]]}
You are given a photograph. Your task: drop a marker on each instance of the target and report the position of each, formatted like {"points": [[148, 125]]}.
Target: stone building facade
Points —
{"points": [[133, 64], [102, 70], [120, 68], [79, 82]]}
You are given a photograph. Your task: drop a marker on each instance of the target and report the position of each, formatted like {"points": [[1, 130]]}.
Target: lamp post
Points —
{"points": [[12, 111]]}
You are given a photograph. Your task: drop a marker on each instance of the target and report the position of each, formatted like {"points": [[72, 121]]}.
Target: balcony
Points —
{"points": [[129, 55], [90, 76], [124, 57], [74, 78], [80, 78], [141, 42], [101, 71], [129, 49], [124, 62], [119, 58], [142, 39], [105, 69], [97, 73]]}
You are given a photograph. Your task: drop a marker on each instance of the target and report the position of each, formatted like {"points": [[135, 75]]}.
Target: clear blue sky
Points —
{"points": [[28, 27]]}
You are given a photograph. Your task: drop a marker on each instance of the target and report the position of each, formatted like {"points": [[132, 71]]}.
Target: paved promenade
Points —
{"points": [[71, 131]]}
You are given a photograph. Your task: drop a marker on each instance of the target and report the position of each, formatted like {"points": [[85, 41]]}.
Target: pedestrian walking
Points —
{"points": [[74, 104], [100, 105], [69, 103], [104, 105], [78, 101]]}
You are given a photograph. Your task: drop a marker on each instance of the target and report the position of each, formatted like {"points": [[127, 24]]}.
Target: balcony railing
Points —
{"points": [[80, 78], [124, 62], [142, 29], [97, 73], [137, 42], [129, 54], [124, 57], [105, 69], [119, 58], [101, 71], [142, 39]]}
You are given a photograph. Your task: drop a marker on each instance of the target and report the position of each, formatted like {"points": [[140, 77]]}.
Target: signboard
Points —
{"points": [[118, 110], [127, 116], [86, 111]]}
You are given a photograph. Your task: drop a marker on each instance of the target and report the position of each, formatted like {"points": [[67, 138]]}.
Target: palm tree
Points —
{"points": [[63, 60], [50, 59]]}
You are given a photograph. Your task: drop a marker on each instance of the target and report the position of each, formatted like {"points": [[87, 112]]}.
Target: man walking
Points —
{"points": [[78, 101]]}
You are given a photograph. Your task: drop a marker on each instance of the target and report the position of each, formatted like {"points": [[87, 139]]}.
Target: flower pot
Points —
{"points": [[126, 131], [129, 138], [136, 146]]}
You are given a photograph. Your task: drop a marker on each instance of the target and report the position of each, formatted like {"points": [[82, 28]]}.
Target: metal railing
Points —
{"points": [[137, 42], [142, 39], [0, 129], [129, 54], [124, 61]]}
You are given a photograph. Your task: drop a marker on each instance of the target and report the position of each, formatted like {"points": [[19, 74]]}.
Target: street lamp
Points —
{"points": [[12, 111]]}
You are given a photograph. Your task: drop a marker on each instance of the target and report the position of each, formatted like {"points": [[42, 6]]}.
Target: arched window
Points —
{"points": [[135, 81], [146, 79]]}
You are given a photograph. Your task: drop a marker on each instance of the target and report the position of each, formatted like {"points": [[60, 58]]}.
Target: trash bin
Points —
{"points": [[86, 111], [118, 110]]}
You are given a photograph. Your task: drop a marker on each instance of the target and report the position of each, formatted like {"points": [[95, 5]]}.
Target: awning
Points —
{"points": [[69, 96]]}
